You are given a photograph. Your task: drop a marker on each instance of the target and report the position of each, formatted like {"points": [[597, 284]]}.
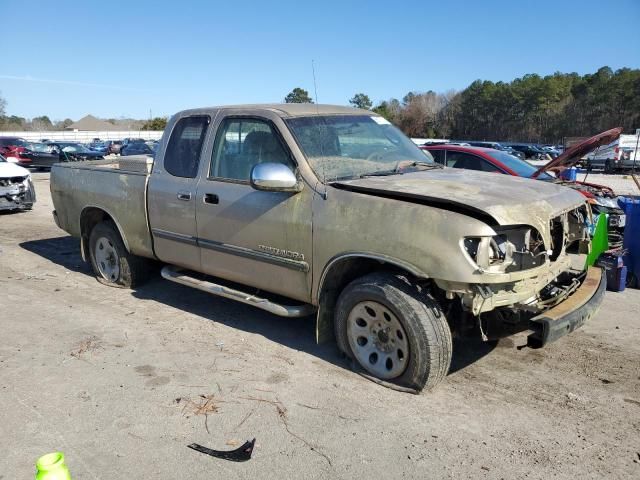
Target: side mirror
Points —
{"points": [[274, 177]]}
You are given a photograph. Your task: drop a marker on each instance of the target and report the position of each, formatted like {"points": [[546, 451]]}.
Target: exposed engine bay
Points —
{"points": [[17, 193], [603, 201], [522, 247]]}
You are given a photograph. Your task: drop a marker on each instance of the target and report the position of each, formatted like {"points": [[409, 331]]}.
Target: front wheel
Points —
{"points": [[607, 167], [394, 331], [111, 262]]}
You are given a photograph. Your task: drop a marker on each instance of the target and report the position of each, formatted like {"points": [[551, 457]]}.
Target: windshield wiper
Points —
{"points": [[381, 173], [398, 170], [424, 164]]}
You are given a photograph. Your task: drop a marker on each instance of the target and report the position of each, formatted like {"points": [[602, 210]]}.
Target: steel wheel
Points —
{"points": [[378, 340], [106, 257]]}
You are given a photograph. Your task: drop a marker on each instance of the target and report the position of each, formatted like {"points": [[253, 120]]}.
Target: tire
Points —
{"points": [[112, 264], [416, 356]]}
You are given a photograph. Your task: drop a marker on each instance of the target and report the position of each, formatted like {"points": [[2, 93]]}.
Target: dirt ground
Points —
{"points": [[120, 381]]}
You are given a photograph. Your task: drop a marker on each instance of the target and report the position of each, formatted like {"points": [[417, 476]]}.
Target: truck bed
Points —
{"points": [[116, 186]]}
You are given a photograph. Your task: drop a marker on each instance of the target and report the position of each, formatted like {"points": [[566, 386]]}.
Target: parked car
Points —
{"points": [[16, 187], [36, 155], [551, 150], [136, 148], [99, 147], [497, 146], [127, 141], [529, 151], [113, 147], [602, 199], [72, 151], [8, 146], [359, 226]]}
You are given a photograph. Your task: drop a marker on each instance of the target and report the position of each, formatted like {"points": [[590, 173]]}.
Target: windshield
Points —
{"points": [[2, 159], [522, 168], [74, 147], [39, 147], [349, 146]]}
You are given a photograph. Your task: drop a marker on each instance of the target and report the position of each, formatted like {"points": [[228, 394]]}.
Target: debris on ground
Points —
{"points": [[282, 415], [241, 454], [87, 345], [206, 405]]}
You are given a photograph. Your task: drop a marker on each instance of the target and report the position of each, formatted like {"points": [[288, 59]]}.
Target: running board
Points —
{"points": [[178, 275]]}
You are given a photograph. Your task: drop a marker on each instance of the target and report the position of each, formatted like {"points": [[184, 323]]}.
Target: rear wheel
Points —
{"points": [[394, 331], [111, 262]]}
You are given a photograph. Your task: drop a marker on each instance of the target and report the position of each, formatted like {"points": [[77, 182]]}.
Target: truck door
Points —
{"points": [[172, 193], [257, 238]]}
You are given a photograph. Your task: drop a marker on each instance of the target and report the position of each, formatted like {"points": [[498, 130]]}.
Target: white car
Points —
{"points": [[16, 187]]}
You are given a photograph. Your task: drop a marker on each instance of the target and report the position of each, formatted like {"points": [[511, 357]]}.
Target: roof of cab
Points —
{"points": [[288, 109]]}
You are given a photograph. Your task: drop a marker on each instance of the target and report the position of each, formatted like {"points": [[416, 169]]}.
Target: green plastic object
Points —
{"points": [[51, 467], [599, 242]]}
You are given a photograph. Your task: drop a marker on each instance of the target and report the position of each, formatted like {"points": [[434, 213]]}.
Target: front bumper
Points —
{"points": [[570, 314], [17, 196]]}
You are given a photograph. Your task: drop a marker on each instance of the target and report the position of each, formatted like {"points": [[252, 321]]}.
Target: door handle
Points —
{"points": [[211, 198], [186, 196]]}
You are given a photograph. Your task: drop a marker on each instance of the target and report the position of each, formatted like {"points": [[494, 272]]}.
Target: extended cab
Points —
{"points": [[300, 209]]}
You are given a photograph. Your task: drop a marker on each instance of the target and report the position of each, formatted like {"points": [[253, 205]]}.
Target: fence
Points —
{"points": [[84, 137]]}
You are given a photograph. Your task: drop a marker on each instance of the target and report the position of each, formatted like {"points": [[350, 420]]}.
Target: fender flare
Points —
{"points": [[83, 247], [324, 315]]}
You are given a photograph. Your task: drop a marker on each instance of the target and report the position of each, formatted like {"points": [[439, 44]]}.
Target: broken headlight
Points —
{"points": [[512, 249]]}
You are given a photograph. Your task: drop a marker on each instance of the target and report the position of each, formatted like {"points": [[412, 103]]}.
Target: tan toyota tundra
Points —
{"points": [[302, 209]]}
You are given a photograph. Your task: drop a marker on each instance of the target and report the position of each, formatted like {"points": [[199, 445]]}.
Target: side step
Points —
{"points": [[178, 275]]}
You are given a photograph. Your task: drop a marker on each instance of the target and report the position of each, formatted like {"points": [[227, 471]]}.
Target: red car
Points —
{"points": [[11, 146], [602, 198]]}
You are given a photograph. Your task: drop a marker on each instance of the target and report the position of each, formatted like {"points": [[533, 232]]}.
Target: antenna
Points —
{"points": [[315, 87], [315, 91]]}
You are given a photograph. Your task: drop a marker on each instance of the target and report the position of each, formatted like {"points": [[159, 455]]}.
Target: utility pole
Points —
{"points": [[635, 155]]}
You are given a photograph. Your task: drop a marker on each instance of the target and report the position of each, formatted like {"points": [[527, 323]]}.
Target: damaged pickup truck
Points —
{"points": [[300, 209], [16, 187]]}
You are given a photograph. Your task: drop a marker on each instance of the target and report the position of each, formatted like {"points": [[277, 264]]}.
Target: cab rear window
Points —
{"points": [[182, 156]]}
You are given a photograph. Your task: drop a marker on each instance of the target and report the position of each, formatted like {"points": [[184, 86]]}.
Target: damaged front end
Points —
{"points": [[541, 276], [17, 193]]}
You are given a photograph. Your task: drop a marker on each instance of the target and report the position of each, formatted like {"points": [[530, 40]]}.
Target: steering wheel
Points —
{"points": [[377, 155]]}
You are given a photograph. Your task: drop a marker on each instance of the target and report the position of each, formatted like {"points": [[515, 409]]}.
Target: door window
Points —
{"points": [[242, 143], [469, 162], [185, 145], [438, 156]]}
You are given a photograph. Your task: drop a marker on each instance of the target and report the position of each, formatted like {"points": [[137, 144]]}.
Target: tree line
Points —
{"points": [[531, 108]]}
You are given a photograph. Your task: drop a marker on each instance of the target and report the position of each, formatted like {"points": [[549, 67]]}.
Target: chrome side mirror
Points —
{"points": [[274, 177]]}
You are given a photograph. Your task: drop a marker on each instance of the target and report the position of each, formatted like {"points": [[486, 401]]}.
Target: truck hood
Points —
{"points": [[572, 155], [8, 170], [492, 198]]}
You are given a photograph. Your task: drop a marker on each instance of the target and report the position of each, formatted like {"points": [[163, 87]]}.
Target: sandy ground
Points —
{"points": [[113, 378]]}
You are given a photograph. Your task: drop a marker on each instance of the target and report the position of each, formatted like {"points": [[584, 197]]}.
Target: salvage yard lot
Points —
{"points": [[113, 378]]}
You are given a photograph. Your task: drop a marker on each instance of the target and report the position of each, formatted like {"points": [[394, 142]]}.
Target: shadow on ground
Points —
{"points": [[298, 334], [64, 251]]}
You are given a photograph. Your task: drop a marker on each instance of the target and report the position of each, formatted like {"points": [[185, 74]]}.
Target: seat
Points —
{"points": [[321, 141], [258, 147]]}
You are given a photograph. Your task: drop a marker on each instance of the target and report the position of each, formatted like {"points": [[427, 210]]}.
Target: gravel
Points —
{"points": [[104, 375]]}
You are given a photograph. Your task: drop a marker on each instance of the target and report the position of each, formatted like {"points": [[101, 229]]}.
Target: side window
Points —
{"points": [[242, 143], [183, 151], [469, 162], [438, 156]]}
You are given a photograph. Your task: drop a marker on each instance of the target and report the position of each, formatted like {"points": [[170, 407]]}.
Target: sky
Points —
{"points": [[134, 59]]}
